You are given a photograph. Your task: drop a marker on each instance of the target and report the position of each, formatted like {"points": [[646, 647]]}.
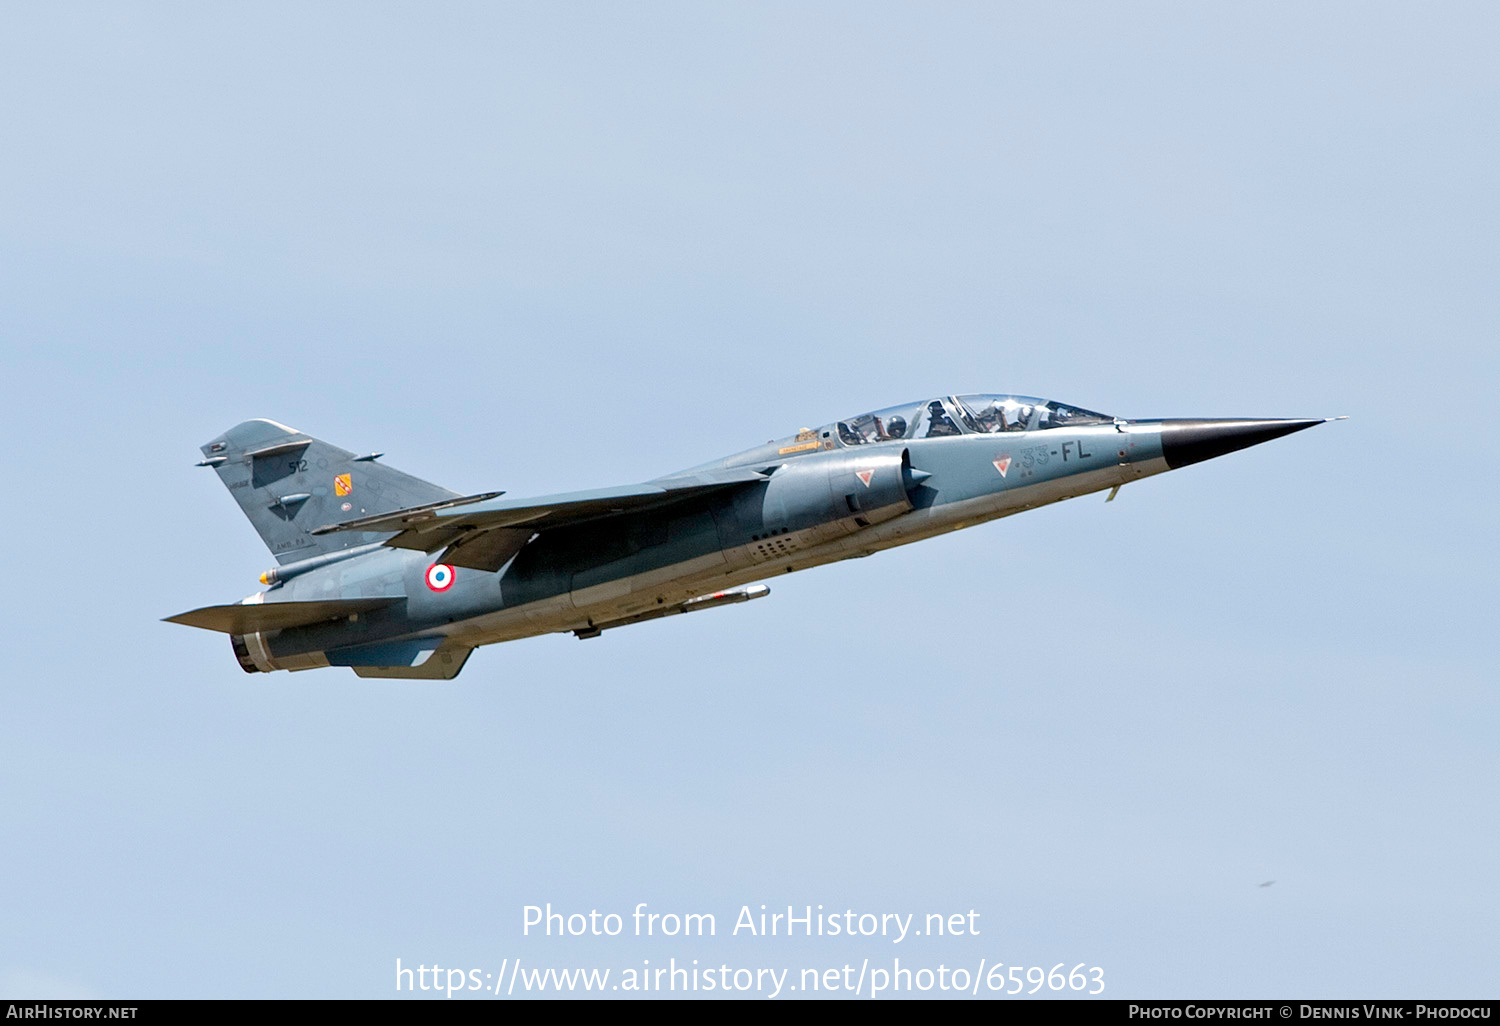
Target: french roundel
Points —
{"points": [[440, 577]]}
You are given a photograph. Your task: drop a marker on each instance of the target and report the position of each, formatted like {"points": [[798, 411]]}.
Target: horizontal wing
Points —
{"points": [[484, 535], [403, 518], [247, 618]]}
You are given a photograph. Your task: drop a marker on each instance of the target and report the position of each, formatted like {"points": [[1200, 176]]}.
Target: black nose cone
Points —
{"points": [[1193, 441]]}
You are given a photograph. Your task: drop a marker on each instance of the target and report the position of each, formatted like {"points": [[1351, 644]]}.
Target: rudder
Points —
{"points": [[287, 483]]}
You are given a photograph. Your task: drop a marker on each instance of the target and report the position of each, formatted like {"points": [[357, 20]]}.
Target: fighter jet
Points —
{"points": [[391, 576]]}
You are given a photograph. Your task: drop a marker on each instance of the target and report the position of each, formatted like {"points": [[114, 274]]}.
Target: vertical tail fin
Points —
{"points": [[288, 482]]}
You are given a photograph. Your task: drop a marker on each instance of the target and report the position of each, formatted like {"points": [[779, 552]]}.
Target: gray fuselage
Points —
{"points": [[814, 508], [395, 577]]}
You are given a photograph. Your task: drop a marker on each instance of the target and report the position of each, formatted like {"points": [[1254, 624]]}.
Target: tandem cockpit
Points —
{"points": [[964, 415]]}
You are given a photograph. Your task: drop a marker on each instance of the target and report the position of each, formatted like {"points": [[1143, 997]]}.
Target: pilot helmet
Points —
{"points": [[896, 426]]}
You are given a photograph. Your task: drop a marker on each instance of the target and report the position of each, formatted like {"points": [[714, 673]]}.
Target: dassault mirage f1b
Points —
{"points": [[391, 576]]}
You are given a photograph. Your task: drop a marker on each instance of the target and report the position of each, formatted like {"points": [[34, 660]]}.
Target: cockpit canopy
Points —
{"points": [[964, 415]]}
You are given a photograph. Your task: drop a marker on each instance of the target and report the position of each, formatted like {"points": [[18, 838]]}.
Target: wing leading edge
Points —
{"points": [[487, 532]]}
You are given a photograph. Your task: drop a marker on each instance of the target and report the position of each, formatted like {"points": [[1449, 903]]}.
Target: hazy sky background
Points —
{"points": [[550, 246]]}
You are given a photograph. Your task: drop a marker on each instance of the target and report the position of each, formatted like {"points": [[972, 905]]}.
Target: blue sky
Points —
{"points": [[550, 246]]}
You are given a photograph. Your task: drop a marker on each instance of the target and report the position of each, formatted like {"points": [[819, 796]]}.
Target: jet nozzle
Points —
{"points": [[1185, 442]]}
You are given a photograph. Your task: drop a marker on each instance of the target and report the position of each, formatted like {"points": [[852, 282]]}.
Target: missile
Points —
{"points": [[725, 598], [277, 574]]}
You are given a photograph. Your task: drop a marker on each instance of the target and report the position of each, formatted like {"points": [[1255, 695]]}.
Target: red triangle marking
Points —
{"points": [[865, 475], [1002, 465]]}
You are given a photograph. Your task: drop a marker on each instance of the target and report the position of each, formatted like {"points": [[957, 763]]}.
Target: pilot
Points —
{"points": [[895, 427], [939, 423], [1023, 417], [993, 419]]}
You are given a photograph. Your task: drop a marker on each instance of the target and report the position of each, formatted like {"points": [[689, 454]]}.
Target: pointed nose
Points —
{"points": [[1184, 442]]}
